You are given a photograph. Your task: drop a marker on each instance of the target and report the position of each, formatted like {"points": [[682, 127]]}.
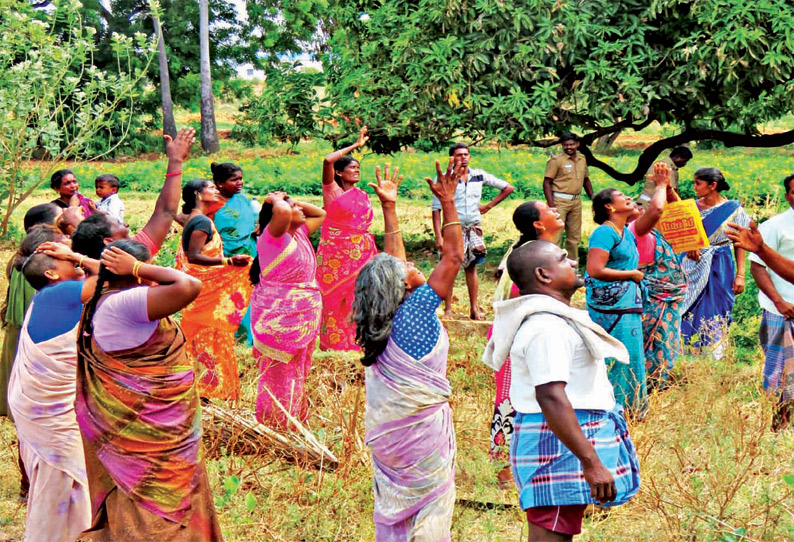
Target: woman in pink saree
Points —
{"points": [[285, 307], [346, 245]]}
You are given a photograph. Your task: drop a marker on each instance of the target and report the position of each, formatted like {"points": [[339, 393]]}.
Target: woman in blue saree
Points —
{"points": [[713, 279], [235, 221], [614, 296]]}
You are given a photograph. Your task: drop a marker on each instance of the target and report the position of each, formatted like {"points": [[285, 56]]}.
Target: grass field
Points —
{"points": [[712, 471]]}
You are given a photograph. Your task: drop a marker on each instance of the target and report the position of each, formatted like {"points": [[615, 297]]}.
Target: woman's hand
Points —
{"points": [[738, 285], [58, 251], [178, 149], [661, 174], [362, 138], [386, 188], [693, 255], [275, 196], [636, 276], [446, 182], [241, 260], [746, 238], [117, 261]]}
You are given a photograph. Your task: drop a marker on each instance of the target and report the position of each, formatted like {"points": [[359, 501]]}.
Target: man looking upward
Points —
{"points": [[468, 197], [566, 175]]}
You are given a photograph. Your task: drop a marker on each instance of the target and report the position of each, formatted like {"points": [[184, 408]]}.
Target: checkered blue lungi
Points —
{"points": [[548, 474], [777, 340]]}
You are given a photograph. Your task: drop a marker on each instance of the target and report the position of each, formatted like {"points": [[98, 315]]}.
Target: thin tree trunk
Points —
{"points": [[169, 124], [209, 134]]}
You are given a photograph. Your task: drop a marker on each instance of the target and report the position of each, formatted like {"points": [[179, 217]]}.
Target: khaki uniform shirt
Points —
{"points": [[649, 184], [568, 174]]}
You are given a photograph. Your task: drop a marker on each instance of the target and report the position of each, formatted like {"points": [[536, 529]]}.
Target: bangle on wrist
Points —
{"points": [[80, 261], [450, 224], [392, 232], [174, 174], [136, 267]]}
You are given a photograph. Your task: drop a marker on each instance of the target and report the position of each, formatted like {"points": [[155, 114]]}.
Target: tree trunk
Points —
{"points": [[209, 134], [169, 124], [605, 142]]}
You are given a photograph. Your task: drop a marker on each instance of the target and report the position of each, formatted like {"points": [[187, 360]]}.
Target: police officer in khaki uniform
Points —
{"points": [[566, 175], [678, 158]]}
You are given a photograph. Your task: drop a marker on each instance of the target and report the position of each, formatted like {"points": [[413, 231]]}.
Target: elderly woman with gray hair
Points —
{"points": [[408, 418]]}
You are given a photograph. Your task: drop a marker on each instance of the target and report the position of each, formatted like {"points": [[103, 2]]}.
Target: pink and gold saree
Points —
{"points": [[285, 319], [345, 247]]}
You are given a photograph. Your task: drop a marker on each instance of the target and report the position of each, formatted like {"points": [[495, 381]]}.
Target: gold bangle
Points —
{"points": [[450, 224], [80, 263], [740, 276], [136, 267], [392, 232], [227, 261]]}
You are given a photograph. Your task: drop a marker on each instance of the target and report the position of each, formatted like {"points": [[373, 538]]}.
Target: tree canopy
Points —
{"points": [[521, 71]]}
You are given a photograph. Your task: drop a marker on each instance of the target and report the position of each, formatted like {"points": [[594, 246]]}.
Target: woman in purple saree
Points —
{"points": [[408, 418]]}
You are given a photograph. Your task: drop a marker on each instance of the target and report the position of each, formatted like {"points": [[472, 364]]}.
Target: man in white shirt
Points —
{"points": [[776, 297], [562, 395], [470, 210]]}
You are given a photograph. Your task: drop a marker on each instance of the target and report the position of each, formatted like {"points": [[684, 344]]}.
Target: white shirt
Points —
{"points": [[468, 195], [113, 206], [778, 233], [547, 349]]}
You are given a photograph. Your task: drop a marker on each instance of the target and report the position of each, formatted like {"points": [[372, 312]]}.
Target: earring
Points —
{"points": [[55, 276], [610, 209]]}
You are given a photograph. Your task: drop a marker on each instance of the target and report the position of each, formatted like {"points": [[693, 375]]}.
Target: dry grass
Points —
{"points": [[710, 465]]}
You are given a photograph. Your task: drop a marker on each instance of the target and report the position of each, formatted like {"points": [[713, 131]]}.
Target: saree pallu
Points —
{"points": [[235, 222], [409, 431], [210, 321], [286, 321], [18, 298], [141, 425], [41, 394], [617, 307], [548, 474], [777, 341], [664, 288], [709, 299], [345, 247]]}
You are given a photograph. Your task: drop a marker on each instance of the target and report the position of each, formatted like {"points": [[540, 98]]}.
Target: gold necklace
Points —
{"points": [[614, 227]]}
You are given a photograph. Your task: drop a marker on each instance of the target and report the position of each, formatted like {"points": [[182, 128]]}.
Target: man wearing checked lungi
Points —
{"points": [[571, 445], [468, 196], [776, 297]]}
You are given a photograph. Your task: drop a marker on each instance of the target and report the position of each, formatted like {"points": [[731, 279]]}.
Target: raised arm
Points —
{"points": [[174, 291], [443, 276], [167, 204], [562, 421], [315, 216], [328, 161], [648, 219], [282, 214], [751, 239], [386, 190]]}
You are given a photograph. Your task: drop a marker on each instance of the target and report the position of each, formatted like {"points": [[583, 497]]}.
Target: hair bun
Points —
{"points": [[213, 166]]}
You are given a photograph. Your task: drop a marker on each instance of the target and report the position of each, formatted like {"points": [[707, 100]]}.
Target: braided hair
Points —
{"points": [[524, 218], [265, 216], [138, 250]]}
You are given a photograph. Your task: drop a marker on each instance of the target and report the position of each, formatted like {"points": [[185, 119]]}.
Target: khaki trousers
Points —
{"points": [[571, 213]]}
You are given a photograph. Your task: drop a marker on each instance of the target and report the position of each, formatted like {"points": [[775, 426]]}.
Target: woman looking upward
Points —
{"points": [[137, 405], [346, 245], [714, 279], [614, 297], [408, 419], [285, 306], [210, 321]]}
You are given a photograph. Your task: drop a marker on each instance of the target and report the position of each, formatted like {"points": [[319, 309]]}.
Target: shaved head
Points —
{"points": [[540, 267]]}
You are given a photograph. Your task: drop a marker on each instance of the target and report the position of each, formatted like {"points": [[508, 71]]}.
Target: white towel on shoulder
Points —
{"points": [[510, 315]]}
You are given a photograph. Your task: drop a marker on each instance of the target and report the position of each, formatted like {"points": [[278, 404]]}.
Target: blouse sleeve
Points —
{"points": [[604, 238], [416, 327]]}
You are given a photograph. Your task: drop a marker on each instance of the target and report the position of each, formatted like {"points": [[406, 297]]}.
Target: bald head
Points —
{"points": [[541, 267]]}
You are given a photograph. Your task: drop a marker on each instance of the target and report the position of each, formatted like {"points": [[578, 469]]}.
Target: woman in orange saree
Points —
{"points": [[346, 245], [285, 307], [210, 321]]}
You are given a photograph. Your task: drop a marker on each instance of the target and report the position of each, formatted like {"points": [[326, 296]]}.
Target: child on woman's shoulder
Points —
{"points": [[107, 188]]}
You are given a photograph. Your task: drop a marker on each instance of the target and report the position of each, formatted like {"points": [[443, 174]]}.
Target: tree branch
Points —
{"points": [[651, 153]]}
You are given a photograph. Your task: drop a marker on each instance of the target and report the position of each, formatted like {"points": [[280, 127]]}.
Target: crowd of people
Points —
{"points": [[105, 387]]}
